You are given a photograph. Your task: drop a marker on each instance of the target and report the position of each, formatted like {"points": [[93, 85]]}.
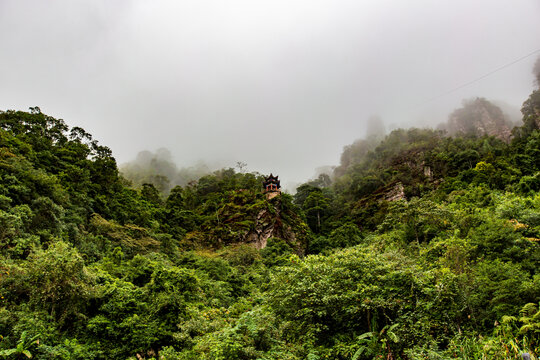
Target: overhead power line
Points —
{"points": [[483, 76]]}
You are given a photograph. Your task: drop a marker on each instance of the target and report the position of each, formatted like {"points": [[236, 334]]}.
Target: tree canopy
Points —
{"points": [[418, 246]]}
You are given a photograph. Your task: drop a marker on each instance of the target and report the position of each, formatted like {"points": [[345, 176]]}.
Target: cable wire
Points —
{"points": [[482, 77]]}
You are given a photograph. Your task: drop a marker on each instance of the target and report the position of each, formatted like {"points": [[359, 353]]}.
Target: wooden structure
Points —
{"points": [[271, 186]]}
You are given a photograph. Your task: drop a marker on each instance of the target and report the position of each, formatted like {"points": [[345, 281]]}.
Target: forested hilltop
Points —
{"points": [[418, 246]]}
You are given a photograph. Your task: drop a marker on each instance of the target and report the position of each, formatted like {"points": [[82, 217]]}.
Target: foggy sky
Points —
{"points": [[280, 85]]}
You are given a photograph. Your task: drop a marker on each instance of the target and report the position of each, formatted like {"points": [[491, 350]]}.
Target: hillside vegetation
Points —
{"points": [[419, 246]]}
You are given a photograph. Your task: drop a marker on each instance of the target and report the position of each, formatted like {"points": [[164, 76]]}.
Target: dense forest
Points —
{"points": [[419, 245]]}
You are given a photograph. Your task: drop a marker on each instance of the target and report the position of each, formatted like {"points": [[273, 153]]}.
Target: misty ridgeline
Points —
{"points": [[476, 117]]}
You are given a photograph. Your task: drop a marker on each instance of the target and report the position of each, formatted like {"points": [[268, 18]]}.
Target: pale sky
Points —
{"points": [[280, 85]]}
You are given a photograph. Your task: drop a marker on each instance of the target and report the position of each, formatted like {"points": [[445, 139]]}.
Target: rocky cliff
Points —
{"points": [[252, 219], [277, 222], [479, 117]]}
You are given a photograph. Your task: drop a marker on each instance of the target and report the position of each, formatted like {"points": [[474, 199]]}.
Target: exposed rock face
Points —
{"points": [[272, 194], [390, 192], [479, 117], [427, 172], [266, 228], [269, 224], [246, 217], [395, 193]]}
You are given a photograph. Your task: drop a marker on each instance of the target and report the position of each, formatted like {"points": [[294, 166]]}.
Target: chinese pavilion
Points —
{"points": [[271, 186]]}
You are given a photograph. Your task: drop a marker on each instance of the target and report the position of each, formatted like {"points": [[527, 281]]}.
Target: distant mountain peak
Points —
{"points": [[479, 117]]}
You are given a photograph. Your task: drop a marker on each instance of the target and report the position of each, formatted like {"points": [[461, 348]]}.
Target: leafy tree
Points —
{"points": [[315, 206], [22, 348]]}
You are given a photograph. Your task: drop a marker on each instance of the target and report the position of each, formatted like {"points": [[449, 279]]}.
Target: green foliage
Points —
{"points": [[422, 247], [276, 252], [55, 281], [22, 348]]}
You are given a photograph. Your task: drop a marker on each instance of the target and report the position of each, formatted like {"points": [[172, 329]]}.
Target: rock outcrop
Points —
{"points": [[248, 218], [479, 117], [395, 193], [276, 220], [271, 225]]}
